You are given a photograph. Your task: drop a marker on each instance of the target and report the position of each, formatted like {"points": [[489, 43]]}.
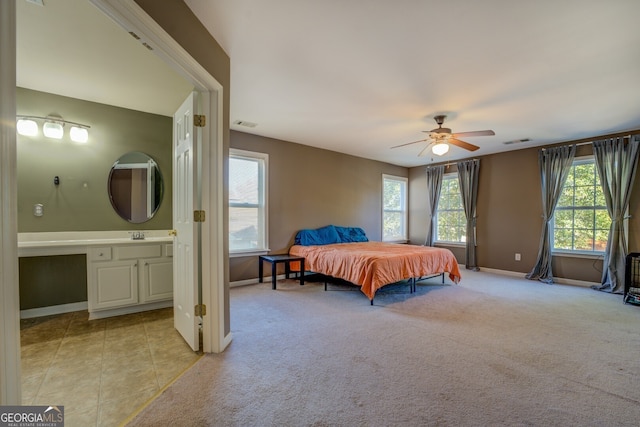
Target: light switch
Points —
{"points": [[38, 209]]}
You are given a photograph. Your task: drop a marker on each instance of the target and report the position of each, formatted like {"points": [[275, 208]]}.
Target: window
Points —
{"points": [[394, 209], [451, 223], [247, 201], [581, 222]]}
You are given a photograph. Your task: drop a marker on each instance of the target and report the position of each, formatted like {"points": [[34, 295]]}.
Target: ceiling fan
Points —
{"points": [[440, 138]]}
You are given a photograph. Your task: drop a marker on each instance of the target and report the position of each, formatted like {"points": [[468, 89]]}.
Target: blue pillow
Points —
{"points": [[351, 234], [320, 236]]}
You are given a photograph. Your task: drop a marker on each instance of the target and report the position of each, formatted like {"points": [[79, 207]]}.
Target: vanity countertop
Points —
{"points": [[78, 242]]}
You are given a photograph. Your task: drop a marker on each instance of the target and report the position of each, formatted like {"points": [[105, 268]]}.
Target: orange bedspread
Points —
{"points": [[371, 265]]}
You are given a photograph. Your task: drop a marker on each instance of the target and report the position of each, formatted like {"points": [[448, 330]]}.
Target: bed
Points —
{"points": [[346, 253]]}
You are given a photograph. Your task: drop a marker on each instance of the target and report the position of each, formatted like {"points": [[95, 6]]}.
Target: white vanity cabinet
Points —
{"points": [[114, 284], [157, 279], [128, 278]]}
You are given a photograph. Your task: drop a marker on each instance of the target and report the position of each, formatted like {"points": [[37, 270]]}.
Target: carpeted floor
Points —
{"points": [[492, 351]]}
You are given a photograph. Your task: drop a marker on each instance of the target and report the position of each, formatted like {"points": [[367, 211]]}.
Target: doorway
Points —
{"points": [[131, 18]]}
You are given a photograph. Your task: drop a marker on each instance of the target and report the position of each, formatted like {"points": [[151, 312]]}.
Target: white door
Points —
{"points": [[185, 245]]}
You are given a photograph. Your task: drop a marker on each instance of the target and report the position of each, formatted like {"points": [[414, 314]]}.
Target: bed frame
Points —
{"points": [[412, 282], [347, 254]]}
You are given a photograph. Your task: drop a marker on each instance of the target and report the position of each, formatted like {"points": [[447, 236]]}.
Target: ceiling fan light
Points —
{"points": [[440, 149]]}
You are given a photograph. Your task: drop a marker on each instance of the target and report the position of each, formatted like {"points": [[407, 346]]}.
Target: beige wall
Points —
{"points": [[81, 201], [182, 25], [510, 216], [310, 188]]}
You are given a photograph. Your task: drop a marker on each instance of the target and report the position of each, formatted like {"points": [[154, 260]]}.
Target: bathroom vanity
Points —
{"points": [[124, 275]]}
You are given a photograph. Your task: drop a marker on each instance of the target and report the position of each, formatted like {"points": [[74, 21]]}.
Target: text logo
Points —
{"points": [[31, 416]]}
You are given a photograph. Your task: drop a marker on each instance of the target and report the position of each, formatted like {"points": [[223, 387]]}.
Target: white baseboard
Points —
{"points": [[54, 309], [226, 341], [101, 314], [253, 281], [559, 280]]}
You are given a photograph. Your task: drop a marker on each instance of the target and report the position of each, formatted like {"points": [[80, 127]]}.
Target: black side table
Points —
{"points": [[274, 260]]}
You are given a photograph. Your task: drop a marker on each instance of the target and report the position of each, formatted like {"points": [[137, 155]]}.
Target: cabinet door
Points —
{"points": [[157, 279], [115, 284]]}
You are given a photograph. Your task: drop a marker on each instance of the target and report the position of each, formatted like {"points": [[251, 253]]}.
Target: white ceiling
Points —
{"points": [[70, 48], [359, 77]]}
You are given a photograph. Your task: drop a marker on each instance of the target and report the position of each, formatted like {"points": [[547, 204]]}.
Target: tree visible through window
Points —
{"points": [[247, 201], [581, 222], [394, 208], [451, 221]]}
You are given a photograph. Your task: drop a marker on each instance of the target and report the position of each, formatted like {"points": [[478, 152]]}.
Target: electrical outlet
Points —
{"points": [[38, 210], [517, 257]]}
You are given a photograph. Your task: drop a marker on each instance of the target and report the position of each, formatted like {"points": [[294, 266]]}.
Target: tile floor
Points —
{"points": [[103, 370]]}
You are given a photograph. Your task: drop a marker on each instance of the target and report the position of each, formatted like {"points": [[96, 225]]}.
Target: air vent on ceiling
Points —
{"points": [[38, 2], [516, 141], [245, 123]]}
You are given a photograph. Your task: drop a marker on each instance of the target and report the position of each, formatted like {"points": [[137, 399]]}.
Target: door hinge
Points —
{"points": [[198, 216], [200, 310], [199, 120]]}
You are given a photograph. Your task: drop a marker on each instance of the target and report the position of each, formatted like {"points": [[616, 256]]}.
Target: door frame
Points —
{"points": [[10, 387], [131, 17], [127, 14]]}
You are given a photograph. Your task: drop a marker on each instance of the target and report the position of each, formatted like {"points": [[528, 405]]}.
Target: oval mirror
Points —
{"points": [[135, 187]]}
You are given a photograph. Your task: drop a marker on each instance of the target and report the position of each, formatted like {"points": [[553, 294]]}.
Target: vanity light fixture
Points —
{"points": [[53, 127]]}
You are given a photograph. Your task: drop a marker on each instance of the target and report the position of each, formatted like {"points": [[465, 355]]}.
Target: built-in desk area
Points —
{"points": [[123, 275]]}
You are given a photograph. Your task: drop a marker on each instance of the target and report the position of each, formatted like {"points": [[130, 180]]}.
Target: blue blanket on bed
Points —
{"points": [[330, 234]]}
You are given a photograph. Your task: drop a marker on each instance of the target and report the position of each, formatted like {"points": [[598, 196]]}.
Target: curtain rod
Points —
{"points": [[446, 165], [577, 144]]}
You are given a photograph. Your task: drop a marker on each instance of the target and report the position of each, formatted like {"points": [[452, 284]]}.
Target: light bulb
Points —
{"points": [[52, 130], [440, 149], [79, 134], [27, 127]]}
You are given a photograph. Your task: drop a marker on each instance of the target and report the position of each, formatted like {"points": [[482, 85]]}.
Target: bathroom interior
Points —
{"points": [[94, 250]]}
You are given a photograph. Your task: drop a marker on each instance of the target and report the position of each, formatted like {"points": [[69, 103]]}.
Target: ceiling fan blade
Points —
{"points": [[409, 143], [424, 150], [474, 133], [463, 144]]}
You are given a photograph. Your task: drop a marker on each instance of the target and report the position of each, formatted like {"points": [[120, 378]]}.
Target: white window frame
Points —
{"points": [[437, 240], [404, 201], [571, 252], [263, 205]]}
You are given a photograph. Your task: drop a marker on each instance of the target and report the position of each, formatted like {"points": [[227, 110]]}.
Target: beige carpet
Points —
{"points": [[492, 351]]}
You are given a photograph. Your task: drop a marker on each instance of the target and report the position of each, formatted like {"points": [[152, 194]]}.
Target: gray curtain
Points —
{"points": [[617, 163], [555, 164], [468, 177], [434, 185]]}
